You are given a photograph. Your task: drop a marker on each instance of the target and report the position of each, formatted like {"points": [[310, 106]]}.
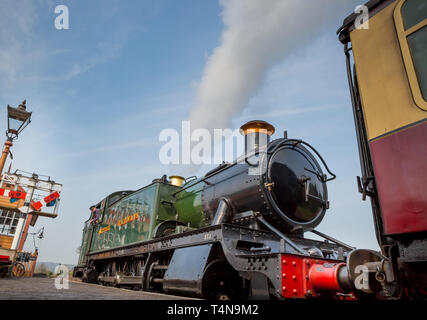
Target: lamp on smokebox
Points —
{"points": [[17, 119]]}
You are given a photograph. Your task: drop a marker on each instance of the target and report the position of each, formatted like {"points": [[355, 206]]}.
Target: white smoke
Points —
{"points": [[257, 35]]}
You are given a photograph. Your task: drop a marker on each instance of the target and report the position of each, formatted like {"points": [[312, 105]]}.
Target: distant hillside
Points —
{"points": [[51, 266]]}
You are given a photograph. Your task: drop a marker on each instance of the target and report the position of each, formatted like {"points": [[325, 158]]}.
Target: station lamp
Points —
{"points": [[17, 119]]}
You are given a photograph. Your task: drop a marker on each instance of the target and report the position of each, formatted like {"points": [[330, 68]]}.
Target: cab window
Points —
{"points": [[411, 25]]}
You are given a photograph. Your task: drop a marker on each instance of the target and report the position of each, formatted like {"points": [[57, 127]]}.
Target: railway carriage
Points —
{"points": [[388, 85]]}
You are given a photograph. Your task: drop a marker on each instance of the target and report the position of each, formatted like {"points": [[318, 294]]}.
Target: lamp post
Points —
{"points": [[17, 119]]}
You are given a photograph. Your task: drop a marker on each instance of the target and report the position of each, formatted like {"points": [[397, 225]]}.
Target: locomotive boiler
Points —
{"points": [[227, 234], [281, 181]]}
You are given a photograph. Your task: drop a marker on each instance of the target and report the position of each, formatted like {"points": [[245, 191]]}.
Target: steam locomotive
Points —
{"points": [[237, 232]]}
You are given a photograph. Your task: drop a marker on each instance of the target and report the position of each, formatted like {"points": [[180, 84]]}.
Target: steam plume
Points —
{"points": [[258, 34]]}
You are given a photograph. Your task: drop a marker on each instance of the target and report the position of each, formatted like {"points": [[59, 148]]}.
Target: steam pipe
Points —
{"points": [[281, 235], [222, 212], [340, 243]]}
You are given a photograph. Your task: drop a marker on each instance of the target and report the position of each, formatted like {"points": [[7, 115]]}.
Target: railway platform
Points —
{"points": [[44, 289]]}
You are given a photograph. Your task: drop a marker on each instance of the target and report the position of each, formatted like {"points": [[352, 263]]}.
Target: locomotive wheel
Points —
{"points": [[221, 282], [91, 276]]}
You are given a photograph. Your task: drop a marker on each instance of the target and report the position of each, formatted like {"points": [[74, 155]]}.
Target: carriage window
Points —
{"points": [[418, 45], [410, 17], [413, 12]]}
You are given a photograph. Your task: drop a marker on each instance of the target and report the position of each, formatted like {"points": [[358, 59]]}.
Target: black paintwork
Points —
{"points": [[291, 194]]}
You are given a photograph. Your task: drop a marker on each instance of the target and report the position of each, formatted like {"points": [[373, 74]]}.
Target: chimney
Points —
{"points": [[257, 134]]}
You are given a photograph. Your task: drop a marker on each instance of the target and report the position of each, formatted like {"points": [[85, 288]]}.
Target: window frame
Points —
{"points": [[7, 228], [403, 34]]}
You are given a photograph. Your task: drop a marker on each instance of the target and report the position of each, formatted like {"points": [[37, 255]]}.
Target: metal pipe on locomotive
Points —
{"points": [[237, 232]]}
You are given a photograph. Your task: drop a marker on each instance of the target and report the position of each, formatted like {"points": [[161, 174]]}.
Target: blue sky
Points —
{"points": [[102, 91]]}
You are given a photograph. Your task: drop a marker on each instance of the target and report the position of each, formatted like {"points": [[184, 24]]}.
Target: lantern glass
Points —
{"points": [[14, 125]]}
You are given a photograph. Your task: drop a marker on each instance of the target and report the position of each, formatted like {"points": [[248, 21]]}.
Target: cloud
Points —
{"points": [[102, 53], [17, 20], [26, 53]]}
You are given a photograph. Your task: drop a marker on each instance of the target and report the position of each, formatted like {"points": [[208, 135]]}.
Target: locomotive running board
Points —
{"points": [[218, 233], [202, 236]]}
